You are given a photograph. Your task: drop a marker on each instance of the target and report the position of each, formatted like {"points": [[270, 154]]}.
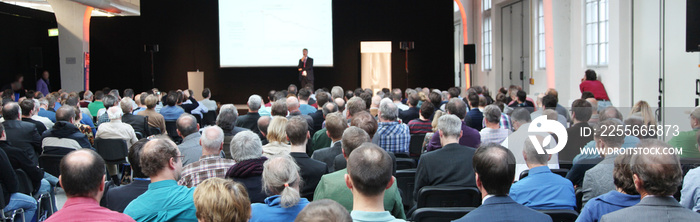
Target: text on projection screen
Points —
{"points": [[272, 33]]}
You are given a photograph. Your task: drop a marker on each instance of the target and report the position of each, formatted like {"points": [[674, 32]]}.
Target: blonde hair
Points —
{"points": [[643, 110], [218, 199], [276, 131], [437, 116], [280, 176]]}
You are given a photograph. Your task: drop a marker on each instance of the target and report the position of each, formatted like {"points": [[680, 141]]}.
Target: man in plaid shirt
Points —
{"points": [[391, 135], [211, 164]]}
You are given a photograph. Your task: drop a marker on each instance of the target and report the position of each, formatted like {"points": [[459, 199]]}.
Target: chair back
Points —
{"points": [[435, 196], [405, 163], [51, 163], [209, 118], [415, 148], [171, 127], [405, 181], [561, 215], [24, 183], [112, 150], [440, 214]]}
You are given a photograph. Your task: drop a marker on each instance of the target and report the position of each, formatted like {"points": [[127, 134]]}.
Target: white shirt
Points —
{"points": [[115, 129], [46, 121]]}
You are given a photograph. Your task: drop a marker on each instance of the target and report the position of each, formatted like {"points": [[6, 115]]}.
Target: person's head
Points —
{"points": [[519, 117], [341, 104], [591, 75], [366, 122], [150, 101], [450, 126], [271, 95], [109, 101], [610, 113], [281, 177], [304, 94], [494, 166], [206, 93], [297, 131], [125, 105], [337, 92], [453, 92], [45, 74], [27, 107], [622, 174], [388, 110], [352, 138], [532, 158], [72, 100], [335, 125], [139, 99], [355, 105], [292, 89], [292, 104], [642, 109], [11, 111], [594, 105], [228, 114], [473, 99], [658, 175], [245, 146], [550, 113], [276, 130], [427, 110], [435, 98], [456, 107], [218, 199], [367, 98], [99, 95], [134, 155], [161, 157], [325, 210], [129, 93], [492, 114], [695, 117], [279, 108], [171, 99], [263, 122], [369, 171], [114, 113], [581, 110], [549, 101], [305, 52], [212, 140], [322, 98], [609, 140], [328, 108], [82, 174], [413, 99], [65, 113], [521, 96], [187, 124]]}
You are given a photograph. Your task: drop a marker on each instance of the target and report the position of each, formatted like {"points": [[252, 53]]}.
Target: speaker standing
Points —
{"points": [[306, 69]]}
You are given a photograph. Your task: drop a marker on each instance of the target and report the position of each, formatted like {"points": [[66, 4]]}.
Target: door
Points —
{"points": [[514, 54]]}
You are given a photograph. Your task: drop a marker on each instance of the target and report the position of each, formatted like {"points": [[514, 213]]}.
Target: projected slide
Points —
{"points": [[273, 32]]}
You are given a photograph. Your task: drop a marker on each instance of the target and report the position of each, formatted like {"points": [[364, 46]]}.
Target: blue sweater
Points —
{"points": [[271, 210], [606, 203]]}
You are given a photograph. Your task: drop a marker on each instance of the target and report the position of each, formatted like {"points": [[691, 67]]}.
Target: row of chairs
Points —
{"points": [[442, 214], [26, 187]]}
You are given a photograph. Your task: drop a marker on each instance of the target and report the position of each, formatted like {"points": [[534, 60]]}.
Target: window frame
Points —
{"points": [[596, 26]]}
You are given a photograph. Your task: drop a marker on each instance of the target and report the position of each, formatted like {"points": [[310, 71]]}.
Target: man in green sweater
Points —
{"points": [[687, 140]]}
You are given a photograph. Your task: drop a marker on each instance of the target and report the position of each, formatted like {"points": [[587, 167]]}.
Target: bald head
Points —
{"points": [[292, 104], [594, 104], [65, 113], [263, 123], [82, 173], [341, 103]]}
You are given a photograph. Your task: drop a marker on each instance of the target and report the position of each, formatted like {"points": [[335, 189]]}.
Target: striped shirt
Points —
{"points": [[393, 137], [420, 126], [207, 167]]}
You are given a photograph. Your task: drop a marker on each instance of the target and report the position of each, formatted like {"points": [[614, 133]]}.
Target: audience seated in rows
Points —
{"points": [[320, 138], [115, 129], [138, 123], [246, 150], [581, 112], [412, 111], [22, 134], [470, 136], [250, 120], [155, 119], [188, 129], [117, 198], [493, 133], [521, 123], [102, 116], [310, 170], [210, 164], [422, 124], [624, 196], [494, 167], [65, 129], [335, 126], [207, 102], [391, 135], [12, 197]]}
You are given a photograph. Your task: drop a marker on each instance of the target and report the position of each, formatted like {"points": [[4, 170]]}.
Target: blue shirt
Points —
{"points": [[690, 193], [47, 114], [630, 141], [544, 190], [171, 112], [271, 210], [393, 137], [163, 201], [137, 110], [307, 109], [364, 216], [606, 203]]}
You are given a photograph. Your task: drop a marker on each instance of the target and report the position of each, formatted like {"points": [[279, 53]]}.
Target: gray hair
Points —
{"points": [[254, 102], [227, 117], [114, 112], [43, 101], [212, 138], [520, 115], [492, 114], [388, 109], [87, 94], [327, 110], [246, 145], [610, 112], [610, 137], [280, 175], [450, 125], [186, 124], [661, 174], [531, 154], [337, 92]]}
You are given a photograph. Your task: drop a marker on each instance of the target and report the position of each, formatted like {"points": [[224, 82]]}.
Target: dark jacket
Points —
{"points": [[249, 173], [63, 129], [327, 155], [40, 127], [503, 208], [23, 135], [8, 178], [410, 114], [311, 171], [448, 166], [19, 159], [318, 119], [117, 198], [475, 118], [575, 142], [249, 121], [139, 123]]}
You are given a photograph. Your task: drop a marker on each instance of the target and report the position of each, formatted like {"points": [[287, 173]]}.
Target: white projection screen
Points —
{"points": [[272, 33]]}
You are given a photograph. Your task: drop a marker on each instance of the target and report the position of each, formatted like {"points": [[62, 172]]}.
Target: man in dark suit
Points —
{"points": [[474, 115], [656, 177], [449, 166], [250, 120], [28, 110], [581, 112], [21, 134], [306, 69], [139, 123], [494, 167], [321, 99], [311, 170], [118, 198], [412, 112], [335, 126]]}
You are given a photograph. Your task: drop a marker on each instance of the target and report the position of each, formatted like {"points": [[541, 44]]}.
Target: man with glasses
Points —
{"points": [[164, 200]]}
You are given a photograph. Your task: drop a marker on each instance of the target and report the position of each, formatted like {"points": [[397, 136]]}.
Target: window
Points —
{"points": [[596, 32], [541, 55], [486, 35]]}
